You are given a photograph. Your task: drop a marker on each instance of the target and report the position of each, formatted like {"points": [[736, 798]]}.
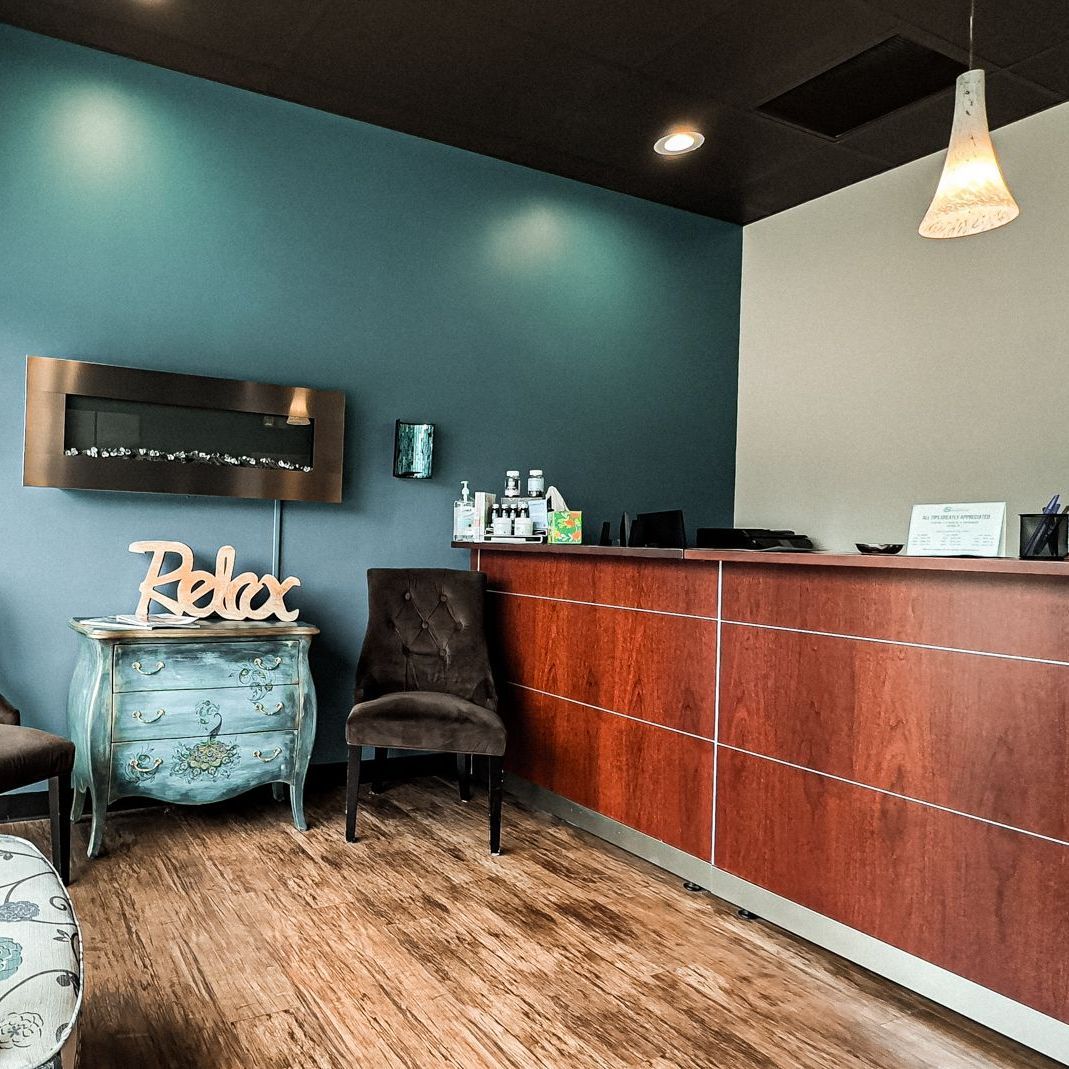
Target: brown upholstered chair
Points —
{"points": [[423, 681], [29, 756]]}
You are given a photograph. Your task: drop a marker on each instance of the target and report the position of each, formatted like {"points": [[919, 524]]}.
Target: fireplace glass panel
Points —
{"points": [[106, 428]]}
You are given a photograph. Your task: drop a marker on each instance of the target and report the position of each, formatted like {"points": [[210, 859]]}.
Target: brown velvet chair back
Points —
{"points": [[8, 713], [425, 631]]}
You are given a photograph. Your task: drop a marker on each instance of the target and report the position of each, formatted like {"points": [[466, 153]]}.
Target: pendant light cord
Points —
{"points": [[972, 16]]}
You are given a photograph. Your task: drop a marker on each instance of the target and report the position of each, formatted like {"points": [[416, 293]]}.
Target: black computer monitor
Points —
{"points": [[662, 529]]}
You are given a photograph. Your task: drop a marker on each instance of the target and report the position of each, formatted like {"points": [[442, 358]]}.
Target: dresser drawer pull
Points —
{"points": [[259, 662], [136, 666], [270, 757], [138, 715], [135, 767], [259, 707]]}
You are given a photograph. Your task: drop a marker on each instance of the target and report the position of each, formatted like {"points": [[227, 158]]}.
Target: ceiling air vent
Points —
{"points": [[870, 85]]}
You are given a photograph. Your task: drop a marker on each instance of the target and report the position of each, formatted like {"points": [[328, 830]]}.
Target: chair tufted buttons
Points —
{"points": [[444, 597], [424, 625], [408, 595]]}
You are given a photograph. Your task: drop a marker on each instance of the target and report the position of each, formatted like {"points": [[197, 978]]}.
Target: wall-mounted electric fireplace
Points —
{"points": [[98, 427]]}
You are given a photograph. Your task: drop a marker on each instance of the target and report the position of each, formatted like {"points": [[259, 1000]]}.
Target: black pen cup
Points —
{"points": [[1044, 536]]}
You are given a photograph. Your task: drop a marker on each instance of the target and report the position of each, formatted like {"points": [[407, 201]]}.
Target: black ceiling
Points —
{"points": [[582, 88]]}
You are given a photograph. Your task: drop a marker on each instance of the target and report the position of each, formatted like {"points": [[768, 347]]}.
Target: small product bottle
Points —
{"points": [[523, 525], [464, 516], [536, 483], [512, 484], [501, 524]]}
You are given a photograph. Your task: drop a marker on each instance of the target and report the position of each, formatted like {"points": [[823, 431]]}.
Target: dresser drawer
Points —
{"points": [[202, 769], [201, 665], [171, 714]]}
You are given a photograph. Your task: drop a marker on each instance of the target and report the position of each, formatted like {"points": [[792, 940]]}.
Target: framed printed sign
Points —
{"points": [[976, 529]]}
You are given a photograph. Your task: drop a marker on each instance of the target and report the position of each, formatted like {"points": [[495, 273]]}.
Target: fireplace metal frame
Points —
{"points": [[49, 381]]}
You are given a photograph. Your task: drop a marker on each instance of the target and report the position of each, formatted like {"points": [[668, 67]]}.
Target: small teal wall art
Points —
{"points": [[413, 450]]}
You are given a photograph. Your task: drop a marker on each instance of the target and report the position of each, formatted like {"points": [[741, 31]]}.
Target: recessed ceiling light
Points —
{"points": [[679, 142]]}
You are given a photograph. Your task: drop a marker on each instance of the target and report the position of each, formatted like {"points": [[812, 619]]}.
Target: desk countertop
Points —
{"points": [[985, 565]]}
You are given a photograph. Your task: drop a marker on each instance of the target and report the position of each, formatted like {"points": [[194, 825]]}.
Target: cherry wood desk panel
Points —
{"points": [[612, 666], [637, 582], [986, 903], [1023, 615], [657, 668], [656, 781], [983, 735]]}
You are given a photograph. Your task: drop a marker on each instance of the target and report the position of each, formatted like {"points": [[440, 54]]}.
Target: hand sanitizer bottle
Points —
{"points": [[464, 516]]}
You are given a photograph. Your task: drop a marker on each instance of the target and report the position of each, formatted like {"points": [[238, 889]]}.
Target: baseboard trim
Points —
{"points": [[997, 1012]]}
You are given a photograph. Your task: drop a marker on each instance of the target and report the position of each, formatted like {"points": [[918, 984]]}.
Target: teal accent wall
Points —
{"points": [[156, 220]]}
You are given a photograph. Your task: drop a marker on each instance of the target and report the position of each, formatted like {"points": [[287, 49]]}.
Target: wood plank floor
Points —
{"points": [[220, 938]]}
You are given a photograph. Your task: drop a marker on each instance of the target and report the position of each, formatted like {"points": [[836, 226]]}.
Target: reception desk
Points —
{"points": [[872, 752]]}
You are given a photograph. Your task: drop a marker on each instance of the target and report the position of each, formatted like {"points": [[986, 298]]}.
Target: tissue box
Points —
{"points": [[565, 527]]}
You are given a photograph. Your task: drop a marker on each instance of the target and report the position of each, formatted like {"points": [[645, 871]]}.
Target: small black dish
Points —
{"points": [[879, 547]]}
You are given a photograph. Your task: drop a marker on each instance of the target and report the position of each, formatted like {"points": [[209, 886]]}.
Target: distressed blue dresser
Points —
{"points": [[191, 715]]}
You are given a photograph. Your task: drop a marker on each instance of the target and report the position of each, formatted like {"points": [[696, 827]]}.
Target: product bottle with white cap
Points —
{"points": [[502, 521], [464, 515], [523, 525]]}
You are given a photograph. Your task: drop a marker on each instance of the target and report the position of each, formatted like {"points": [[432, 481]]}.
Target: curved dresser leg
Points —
{"points": [[77, 806], [96, 835], [297, 803], [278, 791]]}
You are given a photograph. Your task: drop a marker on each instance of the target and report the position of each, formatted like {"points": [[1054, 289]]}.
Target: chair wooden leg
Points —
{"points": [[352, 789], [60, 796], [497, 777], [464, 761], [378, 775]]}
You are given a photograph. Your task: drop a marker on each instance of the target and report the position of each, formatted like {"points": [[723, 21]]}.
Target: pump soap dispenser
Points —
{"points": [[464, 516]]}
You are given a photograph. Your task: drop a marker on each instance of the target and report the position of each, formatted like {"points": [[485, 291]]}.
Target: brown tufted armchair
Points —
{"points": [[423, 681], [29, 756]]}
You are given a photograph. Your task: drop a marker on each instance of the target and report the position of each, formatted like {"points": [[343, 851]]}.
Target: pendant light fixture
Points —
{"points": [[972, 196]]}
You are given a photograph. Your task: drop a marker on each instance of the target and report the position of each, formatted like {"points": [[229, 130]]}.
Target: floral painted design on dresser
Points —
{"points": [[207, 711], [142, 767], [210, 758], [257, 677]]}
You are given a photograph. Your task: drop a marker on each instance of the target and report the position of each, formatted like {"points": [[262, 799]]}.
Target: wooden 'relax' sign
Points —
{"points": [[199, 593]]}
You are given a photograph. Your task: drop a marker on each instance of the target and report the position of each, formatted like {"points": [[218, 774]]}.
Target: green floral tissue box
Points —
{"points": [[565, 527]]}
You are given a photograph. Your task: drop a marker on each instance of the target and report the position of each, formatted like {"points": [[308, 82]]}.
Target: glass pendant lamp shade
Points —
{"points": [[972, 196]]}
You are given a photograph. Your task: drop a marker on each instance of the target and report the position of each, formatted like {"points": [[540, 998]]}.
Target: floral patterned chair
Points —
{"points": [[40, 962]]}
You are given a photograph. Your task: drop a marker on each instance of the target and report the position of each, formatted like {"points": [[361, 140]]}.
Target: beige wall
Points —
{"points": [[879, 369]]}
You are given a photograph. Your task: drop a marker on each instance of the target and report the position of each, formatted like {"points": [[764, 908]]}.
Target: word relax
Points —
{"points": [[199, 593]]}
